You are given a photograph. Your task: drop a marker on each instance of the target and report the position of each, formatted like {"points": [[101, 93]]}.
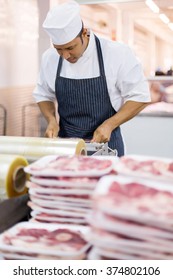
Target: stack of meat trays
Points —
{"points": [[149, 167], [27, 241], [132, 219], [61, 187]]}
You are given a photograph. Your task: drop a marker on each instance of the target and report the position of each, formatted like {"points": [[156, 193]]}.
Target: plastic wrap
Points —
{"points": [[32, 148], [12, 176]]}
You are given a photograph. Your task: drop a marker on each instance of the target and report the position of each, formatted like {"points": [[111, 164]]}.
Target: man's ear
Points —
{"points": [[85, 32]]}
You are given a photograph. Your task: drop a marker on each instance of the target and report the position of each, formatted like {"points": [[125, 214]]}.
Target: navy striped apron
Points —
{"points": [[84, 104]]}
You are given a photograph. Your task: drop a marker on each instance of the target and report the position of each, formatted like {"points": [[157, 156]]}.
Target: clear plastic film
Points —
{"points": [[12, 176], [32, 148]]}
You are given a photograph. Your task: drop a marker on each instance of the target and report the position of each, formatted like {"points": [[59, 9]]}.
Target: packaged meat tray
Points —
{"points": [[61, 241], [44, 217], [68, 182], [62, 207], [61, 212], [108, 239], [22, 256], [51, 190], [130, 229], [115, 255], [55, 204], [79, 199], [53, 195], [74, 166], [134, 199], [157, 168], [122, 254]]}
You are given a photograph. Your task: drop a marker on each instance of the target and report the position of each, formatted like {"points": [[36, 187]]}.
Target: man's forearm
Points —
{"points": [[47, 108], [129, 110]]}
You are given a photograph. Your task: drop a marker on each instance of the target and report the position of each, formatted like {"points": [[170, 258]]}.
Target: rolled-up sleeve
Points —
{"points": [[131, 80], [43, 90]]}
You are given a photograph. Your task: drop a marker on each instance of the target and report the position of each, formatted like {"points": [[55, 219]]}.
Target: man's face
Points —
{"points": [[73, 50]]}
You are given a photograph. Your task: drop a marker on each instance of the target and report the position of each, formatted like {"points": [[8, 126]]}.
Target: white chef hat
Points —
{"points": [[63, 23]]}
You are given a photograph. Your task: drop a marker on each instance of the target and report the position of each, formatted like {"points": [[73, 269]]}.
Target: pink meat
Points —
{"points": [[46, 238], [154, 167], [76, 163], [138, 198], [170, 167], [131, 189]]}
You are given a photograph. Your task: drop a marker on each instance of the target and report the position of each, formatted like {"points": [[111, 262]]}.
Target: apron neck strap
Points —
{"points": [[59, 66], [100, 56]]}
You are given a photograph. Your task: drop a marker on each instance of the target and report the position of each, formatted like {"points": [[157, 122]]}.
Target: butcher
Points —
{"points": [[98, 84]]}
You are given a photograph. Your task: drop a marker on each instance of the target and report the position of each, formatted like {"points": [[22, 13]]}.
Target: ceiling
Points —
{"points": [[142, 15], [166, 6]]}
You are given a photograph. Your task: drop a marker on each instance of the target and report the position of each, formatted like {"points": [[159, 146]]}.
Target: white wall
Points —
{"points": [[19, 62], [149, 135], [18, 42]]}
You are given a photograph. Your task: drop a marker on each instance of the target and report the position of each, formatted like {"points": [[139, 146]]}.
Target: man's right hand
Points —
{"points": [[52, 129]]}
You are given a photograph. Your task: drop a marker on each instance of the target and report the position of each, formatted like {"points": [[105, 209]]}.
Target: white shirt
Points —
{"points": [[124, 74]]}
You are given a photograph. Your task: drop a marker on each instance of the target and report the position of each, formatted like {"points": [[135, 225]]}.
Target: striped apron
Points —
{"points": [[84, 104]]}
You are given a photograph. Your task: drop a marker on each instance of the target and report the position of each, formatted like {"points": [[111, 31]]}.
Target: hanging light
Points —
{"points": [[152, 6], [170, 25], [164, 18]]}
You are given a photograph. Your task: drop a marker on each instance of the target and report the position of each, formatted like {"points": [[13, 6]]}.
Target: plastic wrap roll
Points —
{"points": [[12, 176], [32, 148]]}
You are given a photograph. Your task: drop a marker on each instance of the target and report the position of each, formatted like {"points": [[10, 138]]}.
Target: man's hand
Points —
{"points": [[52, 129], [103, 133], [48, 110]]}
